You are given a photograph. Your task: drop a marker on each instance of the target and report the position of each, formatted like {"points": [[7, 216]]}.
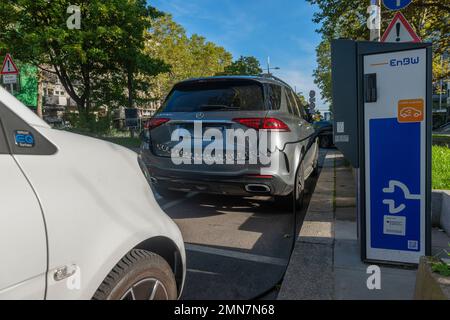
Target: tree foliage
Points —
{"points": [[347, 19], [302, 98], [94, 63], [243, 66], [189, 57]]}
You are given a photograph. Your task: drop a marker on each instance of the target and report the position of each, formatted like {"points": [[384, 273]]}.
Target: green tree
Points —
{"points": [[168, 41], [189, 57], [28, 84], [302, 98], [91, 62], [243, 66], [322, 74], [347, 19], [208, 59]]}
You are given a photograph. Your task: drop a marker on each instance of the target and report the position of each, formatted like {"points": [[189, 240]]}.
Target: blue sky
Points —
{"points": [[281, 29]]}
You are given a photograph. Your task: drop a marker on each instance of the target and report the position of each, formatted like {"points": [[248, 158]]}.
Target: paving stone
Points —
{"points": [[346, 213], [345, 230], [302, 280]]}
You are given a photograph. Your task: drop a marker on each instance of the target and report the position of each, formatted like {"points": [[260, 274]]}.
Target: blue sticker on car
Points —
{"points": [[24, 139]]}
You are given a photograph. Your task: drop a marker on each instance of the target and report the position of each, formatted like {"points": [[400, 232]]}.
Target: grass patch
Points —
{"points": [[124, 141], [118, 137], [441, 168]]}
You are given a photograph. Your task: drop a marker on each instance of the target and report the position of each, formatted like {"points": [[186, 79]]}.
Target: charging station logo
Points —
{"points": [[411, 110], [404, 62], [407, 194]]}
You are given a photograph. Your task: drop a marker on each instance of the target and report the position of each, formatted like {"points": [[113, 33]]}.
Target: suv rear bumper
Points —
{"points": [[245, 182], [238, 186], [229, 179]]}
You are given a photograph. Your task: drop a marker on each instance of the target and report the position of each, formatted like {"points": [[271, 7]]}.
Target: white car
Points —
{"points": [[78, 219]]}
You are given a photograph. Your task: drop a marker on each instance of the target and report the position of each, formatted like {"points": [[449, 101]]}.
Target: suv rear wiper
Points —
{"points": [[217, 107]]}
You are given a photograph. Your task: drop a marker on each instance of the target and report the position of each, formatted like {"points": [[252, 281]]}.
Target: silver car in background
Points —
{"points": [[233, 102]]}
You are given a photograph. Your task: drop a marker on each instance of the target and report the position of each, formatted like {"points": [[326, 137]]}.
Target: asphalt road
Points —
{"points": [[237, 248]]}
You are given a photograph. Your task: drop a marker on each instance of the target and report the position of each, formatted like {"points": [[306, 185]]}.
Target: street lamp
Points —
{"points": [[269, 68], [274, 68]]}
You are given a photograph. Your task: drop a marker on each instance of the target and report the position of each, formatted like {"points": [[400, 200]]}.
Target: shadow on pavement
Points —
{"points": [[237, 248]]}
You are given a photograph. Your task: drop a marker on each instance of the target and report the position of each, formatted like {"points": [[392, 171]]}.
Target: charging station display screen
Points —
{"points": [[395, 155]]}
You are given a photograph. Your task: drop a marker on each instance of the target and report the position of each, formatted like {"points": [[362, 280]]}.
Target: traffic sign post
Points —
{"points": [[399, 30], [312, 101], [9, 78], [132, 118], [383, 127], [9, 71], [9, 67], [374, 20]]}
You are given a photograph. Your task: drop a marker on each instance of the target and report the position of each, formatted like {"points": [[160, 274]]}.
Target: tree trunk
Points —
{"points": [[130, 87], [130, 94], [39, 93]]}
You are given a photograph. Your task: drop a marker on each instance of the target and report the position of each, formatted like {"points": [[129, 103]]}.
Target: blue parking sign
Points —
{"points": [[396, 4]]}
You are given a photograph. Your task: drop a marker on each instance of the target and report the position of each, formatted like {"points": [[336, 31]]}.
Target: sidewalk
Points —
{"points": [[326, 260]]}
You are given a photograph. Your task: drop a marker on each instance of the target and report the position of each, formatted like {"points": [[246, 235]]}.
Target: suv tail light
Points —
{"points": [[254, 123], [155, 122], [271, 124]]}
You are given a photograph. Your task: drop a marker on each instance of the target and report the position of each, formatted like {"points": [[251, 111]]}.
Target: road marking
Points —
{"points": [[237, 255], [202, 271], [177, 202]]}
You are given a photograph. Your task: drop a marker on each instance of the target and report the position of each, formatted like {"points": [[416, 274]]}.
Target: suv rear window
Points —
{"points": [[275, 96], [215, 96]]}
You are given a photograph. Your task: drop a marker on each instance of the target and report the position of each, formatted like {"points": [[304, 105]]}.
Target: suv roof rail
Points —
{"points": [[271, 76]]}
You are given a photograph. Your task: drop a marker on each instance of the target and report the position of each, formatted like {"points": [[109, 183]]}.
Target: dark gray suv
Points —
{"points": [[260, 116]]}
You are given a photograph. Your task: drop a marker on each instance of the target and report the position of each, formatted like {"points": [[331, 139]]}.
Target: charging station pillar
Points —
{"points": [[382, 124]]}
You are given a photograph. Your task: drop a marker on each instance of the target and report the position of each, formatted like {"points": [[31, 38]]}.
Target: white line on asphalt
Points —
{"points": [[177, 202], [201, 271], [237, 255]]}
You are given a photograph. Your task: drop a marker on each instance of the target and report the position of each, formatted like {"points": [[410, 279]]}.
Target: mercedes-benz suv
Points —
{"points": [[233, 135]]}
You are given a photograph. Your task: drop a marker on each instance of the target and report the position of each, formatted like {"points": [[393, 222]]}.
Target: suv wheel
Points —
{"points": [[325, 141], [316, 161], [140, 275], [299, 191], [300, 186]]}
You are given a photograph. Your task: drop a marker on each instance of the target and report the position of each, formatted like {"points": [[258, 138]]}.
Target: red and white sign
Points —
{"points": [[399, 30], [9, 67]]}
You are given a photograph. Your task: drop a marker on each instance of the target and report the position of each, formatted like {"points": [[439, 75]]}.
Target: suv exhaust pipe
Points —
{"points": [[257, 188]]}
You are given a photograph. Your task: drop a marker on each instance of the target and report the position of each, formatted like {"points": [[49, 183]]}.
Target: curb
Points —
{"points": [[440, 209], [314, 248]]}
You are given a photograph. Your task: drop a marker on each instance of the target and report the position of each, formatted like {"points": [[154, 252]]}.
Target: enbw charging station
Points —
{"points": [[382, 104]]}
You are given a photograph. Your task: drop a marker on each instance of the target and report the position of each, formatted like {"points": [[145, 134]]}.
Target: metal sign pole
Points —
{"points": [[375, 33]]}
